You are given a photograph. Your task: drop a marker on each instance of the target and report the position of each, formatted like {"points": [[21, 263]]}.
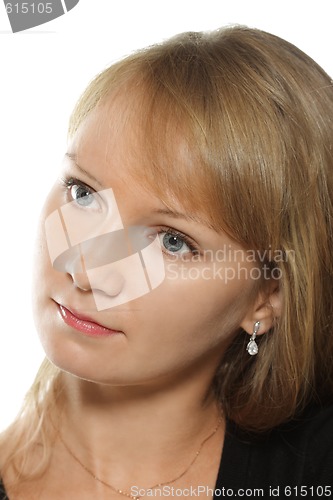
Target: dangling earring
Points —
{"points": [[252, 347]]}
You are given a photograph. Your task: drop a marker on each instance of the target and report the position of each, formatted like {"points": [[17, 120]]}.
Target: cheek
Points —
{"points": [[44, 276], [181, 324], [51, 204], [192, 314], [196, 308], [41, 256]]}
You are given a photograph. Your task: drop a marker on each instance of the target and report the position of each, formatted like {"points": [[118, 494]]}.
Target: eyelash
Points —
{"points": [[186, 239], [69, 182]]}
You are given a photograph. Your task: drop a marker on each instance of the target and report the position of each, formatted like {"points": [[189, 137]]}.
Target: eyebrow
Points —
{"points": [[73, 158], [179, 215], [160, 211]]}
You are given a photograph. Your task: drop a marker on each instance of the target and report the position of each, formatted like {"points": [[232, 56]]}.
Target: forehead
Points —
{"points": [[134, 138], [113, 128]]}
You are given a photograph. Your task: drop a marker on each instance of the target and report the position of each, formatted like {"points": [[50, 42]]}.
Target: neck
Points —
{"points": [[161, 422]]}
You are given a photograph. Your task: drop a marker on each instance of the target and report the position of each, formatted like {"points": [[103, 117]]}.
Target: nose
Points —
{"points": [[110, 285], [81, 281], [78, 272], [101, 256], [107, 281]]}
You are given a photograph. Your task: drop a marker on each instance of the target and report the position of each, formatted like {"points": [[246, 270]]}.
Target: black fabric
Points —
{"points": [[292, 461], [3, 495]]}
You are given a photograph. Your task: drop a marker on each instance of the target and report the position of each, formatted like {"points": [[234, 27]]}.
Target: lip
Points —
{"points": [[84, 324]]}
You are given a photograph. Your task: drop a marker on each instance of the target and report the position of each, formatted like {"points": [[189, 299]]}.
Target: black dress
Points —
{"points": [[292, 461]]}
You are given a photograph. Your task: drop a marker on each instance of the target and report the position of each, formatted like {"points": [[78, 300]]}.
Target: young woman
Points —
{"points": [[184, 282]]}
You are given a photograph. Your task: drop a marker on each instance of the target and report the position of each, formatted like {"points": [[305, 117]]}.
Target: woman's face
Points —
{"points": [[184, 324]]}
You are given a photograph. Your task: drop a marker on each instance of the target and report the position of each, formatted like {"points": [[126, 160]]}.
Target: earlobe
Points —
{"points": [[252, 347]]}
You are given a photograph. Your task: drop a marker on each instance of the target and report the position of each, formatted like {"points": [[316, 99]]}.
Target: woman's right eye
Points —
{"points": [[82, 194]]}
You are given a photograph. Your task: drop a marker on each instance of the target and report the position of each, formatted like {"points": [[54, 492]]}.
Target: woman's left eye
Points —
{"points": [[175, 244]]}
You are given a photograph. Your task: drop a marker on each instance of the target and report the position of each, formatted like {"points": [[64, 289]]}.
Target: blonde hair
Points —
{"points": [[255, 115]]}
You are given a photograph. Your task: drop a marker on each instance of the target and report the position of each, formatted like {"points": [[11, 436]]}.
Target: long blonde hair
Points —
{"points": [[256, 115]]}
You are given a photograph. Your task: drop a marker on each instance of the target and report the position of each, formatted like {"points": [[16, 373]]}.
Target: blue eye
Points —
{"points": [[175, 244], [82, 195]]}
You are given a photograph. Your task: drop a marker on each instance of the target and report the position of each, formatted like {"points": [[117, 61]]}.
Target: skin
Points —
{"points": [[144, 393]]}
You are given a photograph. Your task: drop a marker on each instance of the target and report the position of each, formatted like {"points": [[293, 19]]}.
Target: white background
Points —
{"points": [[43, 71]]}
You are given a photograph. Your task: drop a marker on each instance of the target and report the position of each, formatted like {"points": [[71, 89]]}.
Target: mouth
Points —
{"points": [[84, 324]]}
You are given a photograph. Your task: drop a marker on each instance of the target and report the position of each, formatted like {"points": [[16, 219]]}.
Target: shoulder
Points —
{"points": [[309, 440], [311, 436], [314, 424], [312, 431], [298, 453], [303, 448]]}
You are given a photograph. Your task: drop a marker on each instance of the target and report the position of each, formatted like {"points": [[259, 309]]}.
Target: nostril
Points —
{"points": [[119, 282], [110, 282], [114, 284], [81, 281]]}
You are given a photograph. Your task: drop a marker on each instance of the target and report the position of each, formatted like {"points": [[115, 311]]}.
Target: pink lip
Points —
{"points": [[84, 324]]}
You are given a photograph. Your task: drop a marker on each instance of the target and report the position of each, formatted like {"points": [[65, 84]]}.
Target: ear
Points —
{"points": [[266, 309]]}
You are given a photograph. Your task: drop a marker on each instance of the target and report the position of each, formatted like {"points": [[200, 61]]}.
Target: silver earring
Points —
{"points": [[252, 347]]}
